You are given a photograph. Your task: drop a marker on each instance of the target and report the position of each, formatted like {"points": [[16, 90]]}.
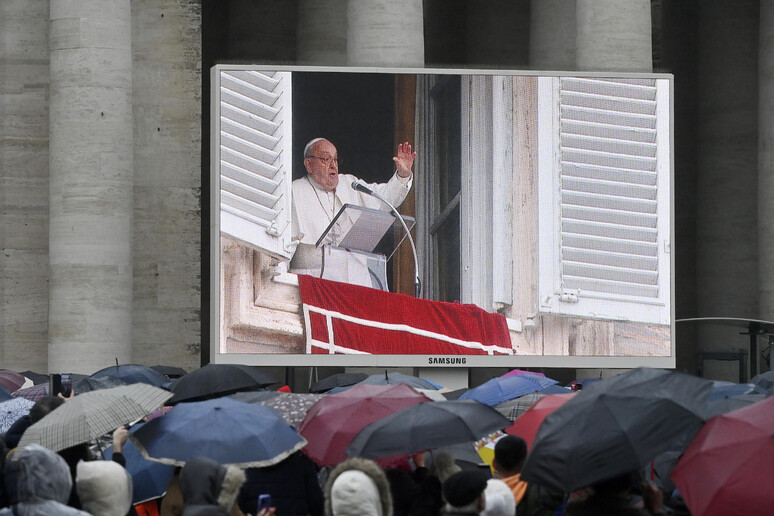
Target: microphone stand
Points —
{"points": [[362, 188]]}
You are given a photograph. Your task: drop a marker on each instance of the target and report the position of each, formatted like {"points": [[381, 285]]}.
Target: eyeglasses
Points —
{"points": [[327, 160]]}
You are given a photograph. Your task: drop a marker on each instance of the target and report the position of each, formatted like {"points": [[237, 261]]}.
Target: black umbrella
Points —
{"points": [[337, 380], [94, 384], [615, 426], [133, 373], [169, 371], [426, 426], [37, 378], [215, 380]]}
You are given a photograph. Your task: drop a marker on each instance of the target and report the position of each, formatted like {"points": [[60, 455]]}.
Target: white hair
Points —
{"points": [[309, 145]]}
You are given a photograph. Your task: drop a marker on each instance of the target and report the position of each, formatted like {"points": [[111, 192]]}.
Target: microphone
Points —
{"points": [[357, 185]]}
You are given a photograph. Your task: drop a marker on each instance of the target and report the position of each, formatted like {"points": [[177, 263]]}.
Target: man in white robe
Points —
{"points": [[319, 195]]}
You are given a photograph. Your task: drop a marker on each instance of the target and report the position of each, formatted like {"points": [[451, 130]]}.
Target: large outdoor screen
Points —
{"points": [[543, 207]]}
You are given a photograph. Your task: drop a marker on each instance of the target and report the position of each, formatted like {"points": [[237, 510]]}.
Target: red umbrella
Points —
{"points": [[526, 426], [11, 381], [332, 423], [728, 469]]}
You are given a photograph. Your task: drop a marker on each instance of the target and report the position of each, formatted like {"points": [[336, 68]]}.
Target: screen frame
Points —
{"points": [[445, 361]]}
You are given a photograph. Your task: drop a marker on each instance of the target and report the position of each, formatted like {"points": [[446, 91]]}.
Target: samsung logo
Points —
{"points": [[446, 360]]}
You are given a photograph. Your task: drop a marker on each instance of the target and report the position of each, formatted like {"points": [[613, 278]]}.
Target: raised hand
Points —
{"points": [[404, 159]]}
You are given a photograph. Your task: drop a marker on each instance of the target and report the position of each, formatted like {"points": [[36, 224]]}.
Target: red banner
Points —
{"points": [[343, 318]]}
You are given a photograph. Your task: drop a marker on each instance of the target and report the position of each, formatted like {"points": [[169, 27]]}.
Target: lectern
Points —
{"points": [[357, 244]]}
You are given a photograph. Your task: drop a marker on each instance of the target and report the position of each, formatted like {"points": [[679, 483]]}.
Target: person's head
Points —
{"points": [[34, 473], [509, 454], [464, 491], [208, 487], [104, 487], [43, 406], [616, 486], [499, 499], [358, 487], [321, 162], [444, 465]]}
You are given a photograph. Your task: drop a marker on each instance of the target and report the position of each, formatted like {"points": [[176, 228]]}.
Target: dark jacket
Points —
{"points": [[208, 488], [291, 483]]}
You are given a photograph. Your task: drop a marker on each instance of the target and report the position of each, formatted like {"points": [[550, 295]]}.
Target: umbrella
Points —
{"points": [[12, 410], [516, 372], [501, 389], [728, 404], [95, 384], [728, 469], [222, 429], [292, 406], [33, 393], [37, 378], [4, 394], [514, 408], [455, 394], [133, 373], [337, 380], [393, 378], [149, 478], [427, 426], [170, 371], [526, 426], [765, 380], [615, 426], [332, 423], [722, 390], [215, 380], [92, 414], [11, 381]]}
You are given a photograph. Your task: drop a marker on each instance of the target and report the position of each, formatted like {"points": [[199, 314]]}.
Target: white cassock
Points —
{"points": [[313, 210]]}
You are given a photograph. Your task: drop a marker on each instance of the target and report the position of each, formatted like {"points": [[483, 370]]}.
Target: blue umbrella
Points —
{"points": [[149, 478], [722, 390], [222, 429], [501, 389], [133, 373]]}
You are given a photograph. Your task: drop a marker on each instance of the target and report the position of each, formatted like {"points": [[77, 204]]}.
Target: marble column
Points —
{"points": [[552, 35], [727, 180], [322, 33], [385, 33], [90, 231], [614, 35]]}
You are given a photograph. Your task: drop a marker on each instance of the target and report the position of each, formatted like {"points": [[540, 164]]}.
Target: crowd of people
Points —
{"points": [[37, 481]]}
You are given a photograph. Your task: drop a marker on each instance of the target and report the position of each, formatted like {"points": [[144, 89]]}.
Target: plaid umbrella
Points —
{"points": [[291, 406], [92, 414], [11, 410], [33, 393]]}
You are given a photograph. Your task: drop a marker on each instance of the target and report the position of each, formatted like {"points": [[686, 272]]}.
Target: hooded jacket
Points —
{"points": [[209, 488], [104, 487], [348, 492], [38, 483]]}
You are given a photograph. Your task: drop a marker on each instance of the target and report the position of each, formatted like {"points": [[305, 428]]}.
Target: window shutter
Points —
{"points": [[253, 156], [612, 175]]}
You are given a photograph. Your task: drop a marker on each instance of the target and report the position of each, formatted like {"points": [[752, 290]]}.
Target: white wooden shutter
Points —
{"points": [[605, 190], [253, 156]]}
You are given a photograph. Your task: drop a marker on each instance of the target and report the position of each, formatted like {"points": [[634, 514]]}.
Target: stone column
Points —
{"points": [[552, 35], [766, 161], [322, 33], [727, 181], [24, 185], [385, 33], [90, 232], [614, 35]]}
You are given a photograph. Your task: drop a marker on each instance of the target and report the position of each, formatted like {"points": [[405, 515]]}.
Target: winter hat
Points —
{"points": [[499, 499], [464, 487], [444, 465], [104, 487], [353, 493]]}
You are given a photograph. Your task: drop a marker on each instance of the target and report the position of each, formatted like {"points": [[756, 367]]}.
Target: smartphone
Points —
{"points": [[67, 385], [264, 502]]}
